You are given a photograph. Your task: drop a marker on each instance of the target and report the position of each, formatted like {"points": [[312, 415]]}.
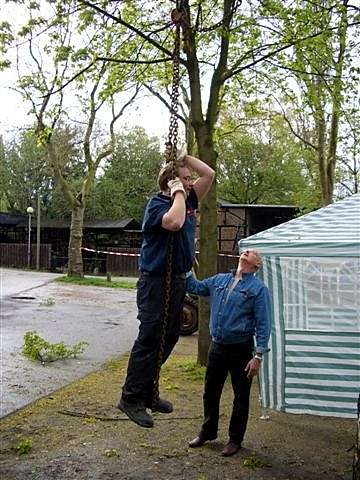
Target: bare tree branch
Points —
{"points": [[134, 62], [127, 25], [122, 110], [293, 131], [164, 101], [234, 70]]}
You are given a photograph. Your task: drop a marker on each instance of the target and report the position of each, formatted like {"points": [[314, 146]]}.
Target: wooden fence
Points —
{"points": [[15, 255], [126, 264]]}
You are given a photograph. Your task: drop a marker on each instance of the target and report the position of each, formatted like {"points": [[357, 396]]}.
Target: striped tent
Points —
{"points": [[312, 269]]}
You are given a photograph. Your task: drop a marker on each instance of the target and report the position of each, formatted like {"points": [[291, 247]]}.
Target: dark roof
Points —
{"points": [[113, 224], [22, 221], [12, 219], [225, 204]]}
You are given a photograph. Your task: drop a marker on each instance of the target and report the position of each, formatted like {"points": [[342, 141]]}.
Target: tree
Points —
{"points": [[349, 158], [129, 178], [224, 45], [325, 79], [53, 61], [23, 173], [259, 163], [221, 42]]}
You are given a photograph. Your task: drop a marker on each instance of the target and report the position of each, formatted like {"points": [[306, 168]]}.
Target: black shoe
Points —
{"points": [[230, 449], [199, 441], [162, 406], [137, 413]]}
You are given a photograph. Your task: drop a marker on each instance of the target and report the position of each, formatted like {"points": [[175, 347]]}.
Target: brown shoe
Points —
{"points": [[199, 441], [230, 449]]}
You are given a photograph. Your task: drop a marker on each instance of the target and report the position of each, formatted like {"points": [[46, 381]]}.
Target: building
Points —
{"points": [[237, 221]]}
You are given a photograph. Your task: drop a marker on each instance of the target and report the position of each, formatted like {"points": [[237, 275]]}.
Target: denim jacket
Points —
{"points": [[237, 316]]}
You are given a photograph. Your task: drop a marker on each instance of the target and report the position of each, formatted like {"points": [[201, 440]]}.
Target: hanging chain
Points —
{"points": [[171, 144], [170, 156]]}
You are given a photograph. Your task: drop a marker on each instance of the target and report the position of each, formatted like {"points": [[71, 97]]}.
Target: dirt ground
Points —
{"points": [[77, 433]]}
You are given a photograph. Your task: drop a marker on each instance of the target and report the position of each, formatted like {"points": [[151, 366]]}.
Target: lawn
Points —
{"points": [[98, 282]]}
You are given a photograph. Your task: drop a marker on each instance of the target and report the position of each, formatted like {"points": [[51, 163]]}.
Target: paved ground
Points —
{"points": [[104, 317], [14, 282]]}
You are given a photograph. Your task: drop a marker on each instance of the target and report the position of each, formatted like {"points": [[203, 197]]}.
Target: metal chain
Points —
{"points": [[171, 143], [170, 155]]}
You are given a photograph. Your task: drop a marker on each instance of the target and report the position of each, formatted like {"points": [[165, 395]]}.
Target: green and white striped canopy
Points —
{"points": [[330, 231], [311, 266]]}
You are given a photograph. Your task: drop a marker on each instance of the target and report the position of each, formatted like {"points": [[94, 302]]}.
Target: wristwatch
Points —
{"points": [[258, 356]]}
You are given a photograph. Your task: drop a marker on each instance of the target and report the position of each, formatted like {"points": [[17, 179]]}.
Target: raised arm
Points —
{"points": [[199, 287], [174, 219], [206, 175]]}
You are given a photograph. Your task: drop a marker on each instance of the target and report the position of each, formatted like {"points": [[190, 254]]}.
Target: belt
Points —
{"points": [[154, 274]]}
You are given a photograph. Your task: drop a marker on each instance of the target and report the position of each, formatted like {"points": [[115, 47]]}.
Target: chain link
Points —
{"points": [[170, 156], [171, 143]]}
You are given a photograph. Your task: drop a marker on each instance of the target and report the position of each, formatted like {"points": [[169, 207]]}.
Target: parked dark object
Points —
{"points": [[189, 321]]}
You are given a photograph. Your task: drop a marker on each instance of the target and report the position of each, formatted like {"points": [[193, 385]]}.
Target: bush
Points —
{"points": [[36, 348]]}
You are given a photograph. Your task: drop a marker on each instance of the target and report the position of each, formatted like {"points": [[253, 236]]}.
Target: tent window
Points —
{"points": [[321, 294]]}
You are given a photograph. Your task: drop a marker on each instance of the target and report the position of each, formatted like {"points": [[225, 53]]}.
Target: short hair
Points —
{"points": [[258, 255], [166, 173]]}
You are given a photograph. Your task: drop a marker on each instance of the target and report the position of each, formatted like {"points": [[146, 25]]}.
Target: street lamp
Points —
{"points": [[29, 211]]}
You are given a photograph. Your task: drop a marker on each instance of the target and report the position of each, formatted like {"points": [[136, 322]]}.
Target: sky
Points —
{"points": [[148, 112]]}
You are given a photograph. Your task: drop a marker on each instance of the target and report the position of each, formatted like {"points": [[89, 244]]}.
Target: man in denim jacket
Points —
{"points": [[240, 310]]}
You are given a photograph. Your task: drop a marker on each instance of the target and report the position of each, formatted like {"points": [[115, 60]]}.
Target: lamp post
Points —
{"points": [[29, 211]]}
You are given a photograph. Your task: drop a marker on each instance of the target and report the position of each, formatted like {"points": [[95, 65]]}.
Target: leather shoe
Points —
{"points": [[162, 406], [199, 441], [137, 413], [230, 449]]}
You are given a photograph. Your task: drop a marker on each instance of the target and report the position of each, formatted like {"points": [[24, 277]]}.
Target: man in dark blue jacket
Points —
{"points": [[240, 310], [170, 212]]}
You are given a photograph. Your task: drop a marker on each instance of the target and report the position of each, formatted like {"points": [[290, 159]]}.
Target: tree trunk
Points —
{"points": [[208, 241], [207, 266], [75, 266]]}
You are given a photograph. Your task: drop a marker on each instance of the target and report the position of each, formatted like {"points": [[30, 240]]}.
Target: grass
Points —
{"points": [[185, 368], [98, 282]]}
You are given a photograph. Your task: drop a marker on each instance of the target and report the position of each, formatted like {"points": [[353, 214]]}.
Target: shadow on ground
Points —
{"points": [[77, 433]]}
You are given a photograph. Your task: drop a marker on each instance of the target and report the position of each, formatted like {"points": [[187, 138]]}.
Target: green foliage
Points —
{"points": [[6, 38], [97, 282], [36, 348], [24, 172], [111, 453], [189, 369], [194, 371], [259, 163], [47, 302], [254, 462], [24, 446], [129, 177]]}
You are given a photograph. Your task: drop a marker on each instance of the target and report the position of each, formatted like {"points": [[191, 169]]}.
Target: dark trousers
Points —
{"points": [[224, 359], [143, 361]]}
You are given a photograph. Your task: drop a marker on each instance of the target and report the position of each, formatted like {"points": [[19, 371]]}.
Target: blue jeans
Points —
{"points": [[224, 359], [143, 361]]}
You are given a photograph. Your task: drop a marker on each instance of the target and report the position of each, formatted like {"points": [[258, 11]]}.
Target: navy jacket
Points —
{"points": [[156, 238]]}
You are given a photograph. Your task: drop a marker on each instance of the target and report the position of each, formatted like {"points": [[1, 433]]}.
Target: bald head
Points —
{"points": [[250, 261]]}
